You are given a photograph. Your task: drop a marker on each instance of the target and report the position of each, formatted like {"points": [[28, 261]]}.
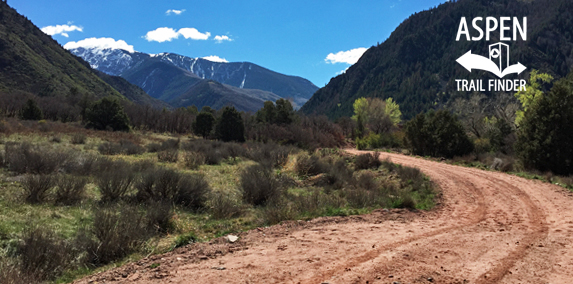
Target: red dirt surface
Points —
{"points": [[490, 228]]}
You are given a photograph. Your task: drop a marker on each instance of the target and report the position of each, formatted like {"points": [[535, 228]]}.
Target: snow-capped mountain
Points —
{"points": [[243, 75]]}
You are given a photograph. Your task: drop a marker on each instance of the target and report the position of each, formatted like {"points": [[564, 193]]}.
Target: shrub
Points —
{"points": [[211, 150], [43, 255], [278, 211], [168, 156], [10, 273], [56, 139], [224, 206], [78, 138], [545, 135], [70, 189], [192, 160], [117, 232], [83, 165], [183, 240], [375, 141], [259, 185], [410, 174], [130, 148], [388, 165], [367, 161], [114, 179], [193, 189], [406, 201], [339, 174], [360, 198], [309, 165], [270, 154], [170, 144], [367, 181], [158, 216], [107, 114], [437, 134], [109, 148], [126, 147], [159, 184], [37, 187], [153, 147], [26, 158]]}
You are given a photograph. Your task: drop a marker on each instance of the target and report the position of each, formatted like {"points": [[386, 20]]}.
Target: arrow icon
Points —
{"points": [[473, 61]]}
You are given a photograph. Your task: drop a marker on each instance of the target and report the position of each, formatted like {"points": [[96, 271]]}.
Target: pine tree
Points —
{"points": [[31, 111], [230, 126], [203, 124], [285, 112], [107, 114]]}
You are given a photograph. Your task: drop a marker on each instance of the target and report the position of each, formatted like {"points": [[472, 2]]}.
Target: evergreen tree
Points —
{"points": [[545, 136], [208, 109], [107, 114], [230, 125], [203, 124], [31, 111], [268, 113], [437, 134], [285, 112]]}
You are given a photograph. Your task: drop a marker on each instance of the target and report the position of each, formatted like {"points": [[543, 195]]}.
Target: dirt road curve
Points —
{"points": [[491, 228]]}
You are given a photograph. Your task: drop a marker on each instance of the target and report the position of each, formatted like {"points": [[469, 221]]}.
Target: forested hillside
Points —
{"points": [[32, 62], [417, 65]]}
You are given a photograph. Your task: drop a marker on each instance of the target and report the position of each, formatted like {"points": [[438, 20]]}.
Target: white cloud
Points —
{"points": [[215, 58], [169, 34], [100, 43], [193, 33], [173, 11], [222, 38], [61, 30], [348, 57], [161, 35]]}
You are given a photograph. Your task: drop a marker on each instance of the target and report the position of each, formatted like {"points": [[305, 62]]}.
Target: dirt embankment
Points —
{"points": [[490, 228]]}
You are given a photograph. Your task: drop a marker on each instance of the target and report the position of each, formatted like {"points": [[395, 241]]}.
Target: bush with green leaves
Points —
{"points": [[437, 134], [107, 114], [545, 136]]}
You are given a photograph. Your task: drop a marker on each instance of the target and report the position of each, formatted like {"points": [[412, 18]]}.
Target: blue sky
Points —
{"points": [[310, 38]]}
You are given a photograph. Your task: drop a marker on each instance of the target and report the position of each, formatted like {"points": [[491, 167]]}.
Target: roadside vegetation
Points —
{"points": [[74, 200], [528, 133]]}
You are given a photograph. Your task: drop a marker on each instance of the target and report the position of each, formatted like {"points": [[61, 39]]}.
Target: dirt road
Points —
{"points": [[490, 228]]}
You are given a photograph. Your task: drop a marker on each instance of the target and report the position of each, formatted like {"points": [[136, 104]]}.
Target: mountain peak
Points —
{"points": [[242, 75], [102, 43]]}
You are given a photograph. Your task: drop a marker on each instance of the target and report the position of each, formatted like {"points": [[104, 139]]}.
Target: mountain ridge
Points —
{"points": [[33, 62], [417, 66], [242, 75]]}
